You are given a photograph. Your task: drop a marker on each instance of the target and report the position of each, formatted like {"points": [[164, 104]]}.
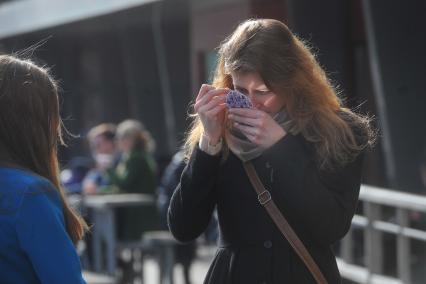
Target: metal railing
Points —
{"points": [[373, 200]]}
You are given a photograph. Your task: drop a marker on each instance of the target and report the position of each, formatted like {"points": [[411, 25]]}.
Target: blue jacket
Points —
{"points": [[34, 244]]}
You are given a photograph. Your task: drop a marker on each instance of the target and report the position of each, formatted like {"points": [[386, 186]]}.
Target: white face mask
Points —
{"points": [[104, 160]]}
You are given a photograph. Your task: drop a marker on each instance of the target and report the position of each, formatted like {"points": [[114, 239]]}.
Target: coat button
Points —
{"points": [[267, 244]]}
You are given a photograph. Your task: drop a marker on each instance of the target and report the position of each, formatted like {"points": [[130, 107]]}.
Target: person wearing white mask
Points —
{"points": [[102, 143]]}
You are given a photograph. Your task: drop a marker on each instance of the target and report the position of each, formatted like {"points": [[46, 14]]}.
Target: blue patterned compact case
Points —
{"points": [[235, 99]]}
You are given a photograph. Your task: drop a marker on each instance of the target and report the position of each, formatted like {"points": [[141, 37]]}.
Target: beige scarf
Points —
{"points": [[242, 147]]}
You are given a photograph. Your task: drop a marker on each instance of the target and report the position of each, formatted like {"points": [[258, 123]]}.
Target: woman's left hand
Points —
{"points": [[258, 126]]}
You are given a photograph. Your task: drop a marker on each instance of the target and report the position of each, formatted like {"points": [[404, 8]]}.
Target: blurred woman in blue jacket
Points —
{"points": [[38, 229]]}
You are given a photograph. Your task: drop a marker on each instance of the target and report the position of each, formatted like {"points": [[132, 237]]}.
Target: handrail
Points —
{"points": [[373, 198], [393, 198]]}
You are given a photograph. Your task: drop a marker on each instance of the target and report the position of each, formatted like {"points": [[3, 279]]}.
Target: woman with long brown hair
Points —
{"points": [[38, 228], [305, 146]]}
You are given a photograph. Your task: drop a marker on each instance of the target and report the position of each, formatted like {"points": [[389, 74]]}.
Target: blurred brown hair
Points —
{"points": [[30, 126], [136, 131]]}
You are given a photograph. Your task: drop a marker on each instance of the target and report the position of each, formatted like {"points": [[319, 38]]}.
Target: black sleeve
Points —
{"points": [[194, 199], [318, 204]]}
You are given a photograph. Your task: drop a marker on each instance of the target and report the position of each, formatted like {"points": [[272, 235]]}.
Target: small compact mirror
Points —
{"points": [[235, 99]]}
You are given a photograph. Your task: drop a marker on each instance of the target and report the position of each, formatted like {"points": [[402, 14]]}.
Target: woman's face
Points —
{"points": [[102, 145], [252, 85]]}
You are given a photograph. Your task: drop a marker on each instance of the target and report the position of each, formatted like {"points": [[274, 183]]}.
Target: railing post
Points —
{"points": [[347, 247], [373, 248], [403, 248]]}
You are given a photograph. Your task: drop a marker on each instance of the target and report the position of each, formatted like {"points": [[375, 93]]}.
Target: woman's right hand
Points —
{"points": [[210, 106]]}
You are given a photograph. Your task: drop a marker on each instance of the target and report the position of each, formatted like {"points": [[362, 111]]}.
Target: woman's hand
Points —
{"points": [[258, 126], [210, 106]]}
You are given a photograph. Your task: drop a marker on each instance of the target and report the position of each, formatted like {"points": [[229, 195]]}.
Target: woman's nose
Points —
{"points": [[251, 97], [253, 100]]}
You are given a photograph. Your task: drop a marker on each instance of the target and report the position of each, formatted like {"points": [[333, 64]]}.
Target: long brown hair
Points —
{"points": [[30, 126], [290, 69]]}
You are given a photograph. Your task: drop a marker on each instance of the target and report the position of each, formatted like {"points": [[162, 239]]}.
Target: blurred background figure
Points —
{"points": [[184, 253], [74, 173], [136, 169], [101, 140], [135, 172], [168, 183], [124, 163]]}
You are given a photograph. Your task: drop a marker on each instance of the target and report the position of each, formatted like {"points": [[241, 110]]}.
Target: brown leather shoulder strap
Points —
{"points": [[264, 197]]}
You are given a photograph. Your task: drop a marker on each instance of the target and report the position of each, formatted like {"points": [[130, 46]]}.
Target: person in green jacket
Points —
{"points": [[135, 173], [136, 170]]}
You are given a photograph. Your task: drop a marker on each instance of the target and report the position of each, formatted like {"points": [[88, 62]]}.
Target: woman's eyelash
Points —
{"points": [[263, 92], [243, 91]]}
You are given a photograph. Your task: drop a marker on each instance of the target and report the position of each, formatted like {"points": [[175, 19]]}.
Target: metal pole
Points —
{"points": [[347, 247], [379, 91], [403, 248], [373, 241], [163, 73]]}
